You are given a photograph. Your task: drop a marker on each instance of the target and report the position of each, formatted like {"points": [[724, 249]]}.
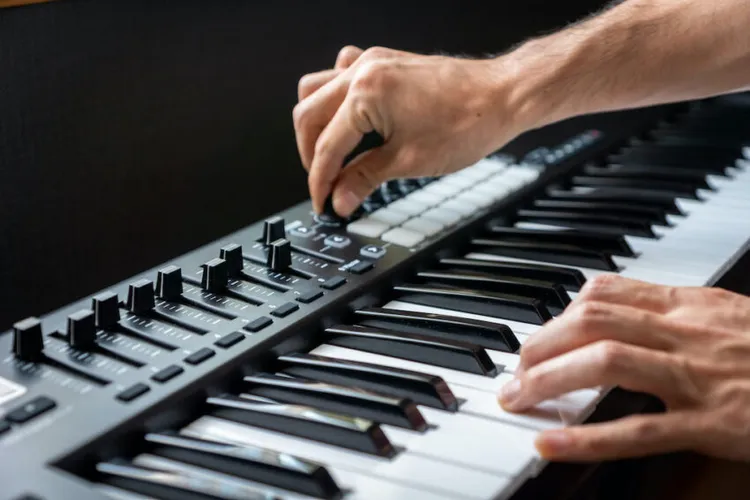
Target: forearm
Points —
{"points": [[639, 53]]}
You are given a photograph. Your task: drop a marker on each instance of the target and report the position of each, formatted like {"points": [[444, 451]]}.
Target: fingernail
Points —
{"points": [[509, 393], [554, 442], [345, 203]]}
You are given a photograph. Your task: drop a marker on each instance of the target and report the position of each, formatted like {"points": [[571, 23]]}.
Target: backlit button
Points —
{"points": [[370, 228], [333, 283], [132, 392], [429, 199], [200, 356], [337, 241], [32, 409], [408, 207], [403, 237], [389, 216], [167, 373], [301, 231], [372, 251], [258, 324], [428, 227], [463, 209], [285, 309], [228, 341], [442, 215]]}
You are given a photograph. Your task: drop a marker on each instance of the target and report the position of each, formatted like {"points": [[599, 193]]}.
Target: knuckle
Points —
{"points": [[610, 356], [348, 52], [598, 284], [370, 77], [589, 316], [305, 83], [300, 114], [322, 147], [375, 52]]}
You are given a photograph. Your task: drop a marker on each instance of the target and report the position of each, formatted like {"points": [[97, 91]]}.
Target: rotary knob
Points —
{"points": [[106, 310], [273, 229], [280, 255], [82, 329], [141, 296], [28, 342]]}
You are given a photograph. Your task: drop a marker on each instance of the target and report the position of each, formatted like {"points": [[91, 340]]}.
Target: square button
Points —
{"points": [[200, 356], [333, 283], [32, 409], [132, 392], [167, 373], [310, 296], [229, 340], [258, 324], [285, 309]]}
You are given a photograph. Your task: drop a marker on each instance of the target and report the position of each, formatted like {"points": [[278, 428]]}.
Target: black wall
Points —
{"points": [[133, 131]]}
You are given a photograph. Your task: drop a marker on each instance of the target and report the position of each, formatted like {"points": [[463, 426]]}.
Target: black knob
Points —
{"points": [[169, 283], [273, 229], [28, 342], [215, 275], [280, 255], [141, 296], [82, 329], [106, 310], [232, 254]]}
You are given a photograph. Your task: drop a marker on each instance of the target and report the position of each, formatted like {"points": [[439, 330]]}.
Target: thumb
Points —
{"points": [[360, 178]]}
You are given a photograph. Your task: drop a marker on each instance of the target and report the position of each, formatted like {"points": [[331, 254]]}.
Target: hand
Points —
{"points": [[436, 115], [688, 346]]}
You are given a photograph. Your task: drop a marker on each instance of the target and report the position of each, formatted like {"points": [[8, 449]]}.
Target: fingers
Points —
{"points": [[590, 322], [607, 363], [347, 56], [360, 178], [308, 84], [629, 437], [338, 139]]}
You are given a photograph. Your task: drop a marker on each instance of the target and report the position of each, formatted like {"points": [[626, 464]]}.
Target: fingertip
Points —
{"points": [[510, 394], [554, 443], [345, 201]]}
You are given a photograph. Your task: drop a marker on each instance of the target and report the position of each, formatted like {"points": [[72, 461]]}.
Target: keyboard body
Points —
{"points": [[68, 406]]}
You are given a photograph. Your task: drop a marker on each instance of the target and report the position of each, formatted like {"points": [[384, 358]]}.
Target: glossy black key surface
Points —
{"points": [[612, 244], [678, 156], [570, 278], [485, 334], [422, 388], [357, 402], [641, 198], [630, 211], [671, 188], [304, 421], [693, 180], [253, 463], [554, 296], [176, 484], [461, 356], [546, 252], [485, 303], [577, 220]]}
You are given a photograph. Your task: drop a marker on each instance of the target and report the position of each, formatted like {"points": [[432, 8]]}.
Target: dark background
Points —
{"points": [[134, 131]]}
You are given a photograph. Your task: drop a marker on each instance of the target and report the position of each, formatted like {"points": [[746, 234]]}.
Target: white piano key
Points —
{"points": [[407, 470]]}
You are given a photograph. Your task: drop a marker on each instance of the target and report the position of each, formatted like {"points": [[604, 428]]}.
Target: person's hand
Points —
{"points": [[690, 347], [436, 115]]}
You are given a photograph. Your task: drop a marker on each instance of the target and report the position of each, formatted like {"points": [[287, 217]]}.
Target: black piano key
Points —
{"points": [[671, 188], [701, 158], [485, 334], [570, 278], [304, 421], [612, 244], [492, 304], [554, 296], [253, 463], [692, 180], [425, 389], [619, 210], [640, 198], [546, 252], [577, 220], [378, 407], [173, 485], [461, 356], [706, 138]]}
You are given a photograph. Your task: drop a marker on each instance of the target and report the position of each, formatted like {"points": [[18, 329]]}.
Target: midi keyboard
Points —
{"points": [[306, 356]]}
